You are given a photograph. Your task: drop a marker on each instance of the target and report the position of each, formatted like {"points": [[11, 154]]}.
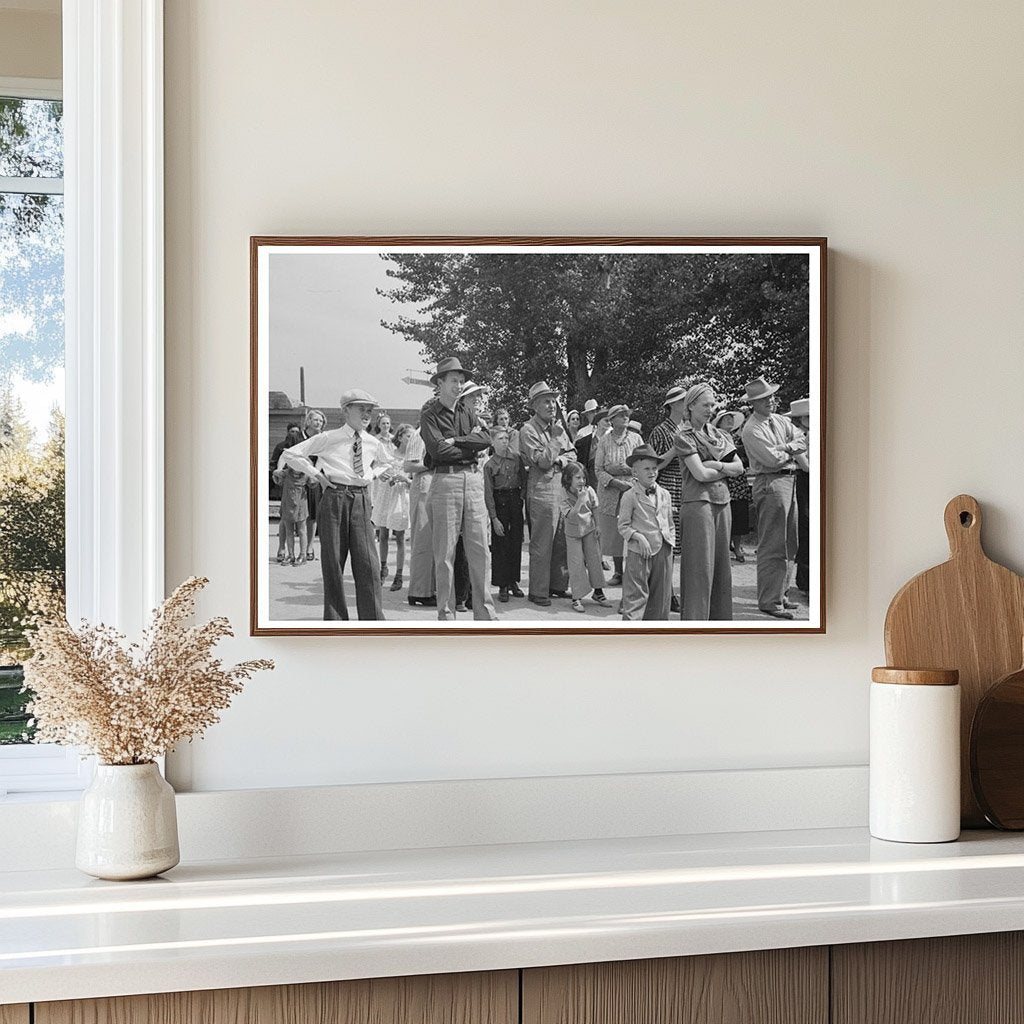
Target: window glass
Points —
{"points": [[31, 388]]}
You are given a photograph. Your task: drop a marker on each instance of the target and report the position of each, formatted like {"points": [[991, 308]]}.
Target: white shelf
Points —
{"points": [[354, 915]]}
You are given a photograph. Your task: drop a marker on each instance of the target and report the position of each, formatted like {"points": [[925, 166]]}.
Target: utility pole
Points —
{"points": [[302, 386]]}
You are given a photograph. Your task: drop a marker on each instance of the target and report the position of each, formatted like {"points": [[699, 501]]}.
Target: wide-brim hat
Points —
{"points": [[735, 413], [759, 388], [471, 388], [801, 407], [673, 395], [354, 395], [448, 366], [540, 390], [600, 413], [644, 451], [635, 425], [590, 405], [618, 410]]}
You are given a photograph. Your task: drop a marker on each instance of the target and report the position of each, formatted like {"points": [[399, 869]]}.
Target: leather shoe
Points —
{"points": [[557, 593], [503, 595], [427, 602], [777, 613], [515, 591], [674, 605], [544, 602]]}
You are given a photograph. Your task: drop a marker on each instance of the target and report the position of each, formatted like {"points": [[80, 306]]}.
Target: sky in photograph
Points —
{"points": [[325, 315]]}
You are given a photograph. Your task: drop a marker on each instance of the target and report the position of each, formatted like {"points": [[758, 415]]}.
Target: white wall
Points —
{"points": [[894, 129]]}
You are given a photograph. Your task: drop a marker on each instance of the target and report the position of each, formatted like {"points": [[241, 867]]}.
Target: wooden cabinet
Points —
{"points": [[967, 979], [962, 979], [777, 986], [481, 998]]}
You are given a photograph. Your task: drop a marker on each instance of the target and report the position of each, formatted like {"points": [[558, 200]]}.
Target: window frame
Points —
{"points": [[112, 90]]}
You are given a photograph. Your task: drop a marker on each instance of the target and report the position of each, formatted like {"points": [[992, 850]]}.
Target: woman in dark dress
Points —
{"points": [[739, 486]]}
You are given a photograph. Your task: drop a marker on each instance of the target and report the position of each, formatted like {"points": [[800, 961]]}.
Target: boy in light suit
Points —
{"points": [[646, 524]]}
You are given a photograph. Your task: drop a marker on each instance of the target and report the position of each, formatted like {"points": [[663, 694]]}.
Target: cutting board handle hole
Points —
{"points": [[966, 519]]}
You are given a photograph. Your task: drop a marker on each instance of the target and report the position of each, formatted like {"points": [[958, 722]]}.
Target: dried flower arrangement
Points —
{"points": [[129, 704]]}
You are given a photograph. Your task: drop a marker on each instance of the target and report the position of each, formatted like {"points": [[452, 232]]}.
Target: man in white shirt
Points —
{"points": [[774, 447], [347, 460]]}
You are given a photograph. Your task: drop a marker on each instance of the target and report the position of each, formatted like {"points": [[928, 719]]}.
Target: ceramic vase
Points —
{"points": [[127, 825]]}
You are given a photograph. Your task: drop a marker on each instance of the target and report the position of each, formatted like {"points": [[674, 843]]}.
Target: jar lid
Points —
{"points": [[916, 676]]}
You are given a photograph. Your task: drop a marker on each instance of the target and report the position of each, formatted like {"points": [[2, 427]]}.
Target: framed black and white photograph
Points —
{"points": [[537, 435]]}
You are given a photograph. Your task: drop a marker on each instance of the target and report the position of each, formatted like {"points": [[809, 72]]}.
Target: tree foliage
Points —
{"points": [[617, 327], [32, 574]]}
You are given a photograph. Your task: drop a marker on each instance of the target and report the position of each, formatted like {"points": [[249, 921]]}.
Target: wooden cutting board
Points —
{"points": [[967, 614]]}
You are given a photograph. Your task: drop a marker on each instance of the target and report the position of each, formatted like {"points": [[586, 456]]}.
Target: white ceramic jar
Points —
{"points": [[127, 823], [915, 755]]}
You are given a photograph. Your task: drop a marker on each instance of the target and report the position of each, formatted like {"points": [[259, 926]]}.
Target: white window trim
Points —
{"points": [[114, 327]]}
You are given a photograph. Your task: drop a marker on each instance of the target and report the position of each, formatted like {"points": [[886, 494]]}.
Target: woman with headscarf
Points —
{"points": [[708, 458], [572, 421]]}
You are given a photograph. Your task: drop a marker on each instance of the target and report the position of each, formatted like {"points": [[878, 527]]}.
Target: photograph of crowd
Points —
{"points": [[538, 435]]}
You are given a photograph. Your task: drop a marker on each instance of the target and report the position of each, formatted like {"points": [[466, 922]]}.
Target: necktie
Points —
{"points": [[650, 491], [357, 455]]}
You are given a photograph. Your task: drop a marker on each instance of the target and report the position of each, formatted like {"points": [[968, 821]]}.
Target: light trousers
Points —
{"points": [[774, 497], [647, 584], [585, 570], [457, 509], [705, 570], [421, 543], [548, 563]]}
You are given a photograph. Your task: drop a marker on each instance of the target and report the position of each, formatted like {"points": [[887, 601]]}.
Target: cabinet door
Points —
{"points": [[960, 979], [14, 1014], [778, 986], [482, 998]]}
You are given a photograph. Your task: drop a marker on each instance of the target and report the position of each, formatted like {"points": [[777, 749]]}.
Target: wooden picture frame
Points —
{"points": [[328, 314]]}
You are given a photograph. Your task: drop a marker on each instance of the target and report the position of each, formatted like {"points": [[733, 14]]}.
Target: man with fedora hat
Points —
{"points": [[348, 459], [545, 448], [800, 414], [670, 466], [773, 446], [456, 505]]}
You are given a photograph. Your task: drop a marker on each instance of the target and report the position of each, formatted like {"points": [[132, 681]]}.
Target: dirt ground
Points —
{"points": [[296, 592]]}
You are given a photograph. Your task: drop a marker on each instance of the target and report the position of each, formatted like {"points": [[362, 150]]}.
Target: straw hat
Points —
{"points": [[539, 390], [759, 388]]}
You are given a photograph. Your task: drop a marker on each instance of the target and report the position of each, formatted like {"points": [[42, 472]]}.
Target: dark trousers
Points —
{"points": [[803, 531], [463, 591], [507, 551], [343, 520]]}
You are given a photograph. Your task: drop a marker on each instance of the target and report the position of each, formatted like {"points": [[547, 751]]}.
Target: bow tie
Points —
{"points": [[650, 491]]}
